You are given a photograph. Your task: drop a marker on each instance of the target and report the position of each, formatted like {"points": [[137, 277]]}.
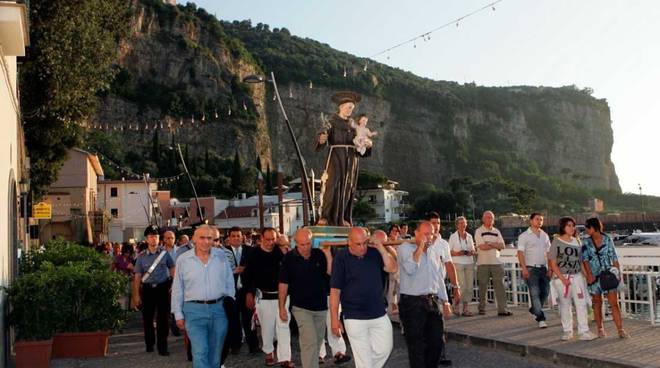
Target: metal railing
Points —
{"points": [[639, 297]]}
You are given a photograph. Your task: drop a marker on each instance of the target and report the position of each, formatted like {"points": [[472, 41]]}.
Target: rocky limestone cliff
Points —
{"points": [[417, 145], [180, 63]]}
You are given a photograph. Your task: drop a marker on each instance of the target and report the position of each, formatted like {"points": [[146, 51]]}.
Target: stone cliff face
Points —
{"points": [[178, 66], [416, 145]]}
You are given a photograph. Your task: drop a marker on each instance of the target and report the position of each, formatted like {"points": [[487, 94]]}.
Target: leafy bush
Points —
{"points": [[65, 288], [60, 252], [32, 308], [84, 300]]}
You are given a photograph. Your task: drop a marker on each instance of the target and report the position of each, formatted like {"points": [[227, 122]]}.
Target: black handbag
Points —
{"points": [[607, 279]]}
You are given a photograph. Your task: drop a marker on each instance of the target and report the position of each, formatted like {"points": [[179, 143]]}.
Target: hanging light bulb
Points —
{"points": [[216, 113], [414, 44], [203, 116], [457, 24], [192, 119], [229, 111], [121, 128], [290, 92], [244, 106], [345, 72], [146, 127], [180, 121], [107, 127], [366, 63], [161, 125], [155, 126], [493, 8], [311, 85]]}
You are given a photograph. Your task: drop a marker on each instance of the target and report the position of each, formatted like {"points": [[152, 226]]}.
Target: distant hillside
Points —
{"points": [[552, 145]]}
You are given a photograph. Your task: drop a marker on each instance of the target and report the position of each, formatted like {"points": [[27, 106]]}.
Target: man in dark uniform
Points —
{"points": [[154, 269], [339, 180]]}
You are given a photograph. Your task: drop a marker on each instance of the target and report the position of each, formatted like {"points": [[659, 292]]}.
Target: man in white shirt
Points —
{"points": [[489, 242], [533, 247]]}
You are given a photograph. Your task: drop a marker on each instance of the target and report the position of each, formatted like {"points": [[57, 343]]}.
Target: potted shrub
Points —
{"points": [[31, 315], [84, 296], [87, 310]]}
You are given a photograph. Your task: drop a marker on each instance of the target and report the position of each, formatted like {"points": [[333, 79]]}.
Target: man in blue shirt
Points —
{"points": [[423, 294], [151, 284], [357, 279], [203, 278]]}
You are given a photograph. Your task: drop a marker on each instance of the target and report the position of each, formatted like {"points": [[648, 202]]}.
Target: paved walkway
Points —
{"points": [[480, 341], [520, 334]]}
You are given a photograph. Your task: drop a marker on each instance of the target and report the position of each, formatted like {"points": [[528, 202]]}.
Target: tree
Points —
{"points": [[73, 47], [269, 180], [363, 212], [155, 148], [236, 173]]}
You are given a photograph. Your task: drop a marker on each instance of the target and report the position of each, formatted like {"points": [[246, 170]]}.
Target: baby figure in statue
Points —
{"points": [[363, 135]]}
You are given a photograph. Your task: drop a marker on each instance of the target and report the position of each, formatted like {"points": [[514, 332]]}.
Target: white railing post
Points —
{"points": [[651, 295]]}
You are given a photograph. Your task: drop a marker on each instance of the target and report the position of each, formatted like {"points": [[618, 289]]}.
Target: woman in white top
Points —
{"points": [[462, 250], [569, 284]]}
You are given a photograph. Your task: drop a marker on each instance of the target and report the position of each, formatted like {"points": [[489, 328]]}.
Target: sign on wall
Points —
{"points": [[42, 211]]}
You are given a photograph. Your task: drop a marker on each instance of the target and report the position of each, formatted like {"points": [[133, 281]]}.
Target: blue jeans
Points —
{"points": [[538, 284], [206, 325]]}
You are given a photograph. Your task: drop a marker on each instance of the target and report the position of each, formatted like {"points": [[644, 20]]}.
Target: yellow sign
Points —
{"points": [[42, 211]]}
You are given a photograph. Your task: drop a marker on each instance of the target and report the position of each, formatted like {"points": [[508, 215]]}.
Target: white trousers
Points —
{"points": [[371, 341], [337, 344], [577, 293], [273, 328]]}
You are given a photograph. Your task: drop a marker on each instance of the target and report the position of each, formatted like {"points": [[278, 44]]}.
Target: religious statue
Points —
{"points": [[339, 180]]}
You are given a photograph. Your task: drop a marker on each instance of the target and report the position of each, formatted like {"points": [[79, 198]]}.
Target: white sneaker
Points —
{"points": [[567, 336], [587, 336], [542, 324]]}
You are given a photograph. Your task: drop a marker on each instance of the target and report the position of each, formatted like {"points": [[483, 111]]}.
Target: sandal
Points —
{"points": [[601, 332], [623, 334]]}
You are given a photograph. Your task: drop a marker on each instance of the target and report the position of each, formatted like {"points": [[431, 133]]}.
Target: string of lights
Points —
{"points": [[426, 36]]}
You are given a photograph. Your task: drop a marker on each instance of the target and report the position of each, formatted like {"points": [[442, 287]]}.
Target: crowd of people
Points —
{"points": [[219, 292]]}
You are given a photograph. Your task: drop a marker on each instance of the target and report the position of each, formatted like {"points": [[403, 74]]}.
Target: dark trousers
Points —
{"points": [[246, 321], [421, 317], [240, 320], [155, 302], [538, 284], [234, 337]]}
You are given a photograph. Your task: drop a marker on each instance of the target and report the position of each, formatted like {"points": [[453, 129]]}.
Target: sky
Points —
{"points": [[612, 47]]}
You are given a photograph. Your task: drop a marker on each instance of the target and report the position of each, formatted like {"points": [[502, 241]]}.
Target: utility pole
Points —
{"points": [[280, 196], [260, 193]]}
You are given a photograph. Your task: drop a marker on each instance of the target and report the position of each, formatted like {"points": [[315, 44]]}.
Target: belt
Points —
{"points": [[536, 266], [424, 296], [154, 285], [213, 301], [269, 295]]}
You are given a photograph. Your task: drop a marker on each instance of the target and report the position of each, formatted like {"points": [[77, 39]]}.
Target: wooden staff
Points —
{"points": [[344, 243]]}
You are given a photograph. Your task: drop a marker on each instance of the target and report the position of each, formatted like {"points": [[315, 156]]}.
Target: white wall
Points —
{"points": [[130, 207], [9, 172]]}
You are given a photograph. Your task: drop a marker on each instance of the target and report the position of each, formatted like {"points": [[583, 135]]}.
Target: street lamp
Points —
{"points": [[303, 171]]}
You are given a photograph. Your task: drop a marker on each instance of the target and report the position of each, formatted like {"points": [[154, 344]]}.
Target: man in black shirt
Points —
{"points": [[260, 278], [304, 276]]}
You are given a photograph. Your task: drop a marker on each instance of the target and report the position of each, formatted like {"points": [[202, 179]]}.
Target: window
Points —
{"points": [[114, 212], [113, 192]]}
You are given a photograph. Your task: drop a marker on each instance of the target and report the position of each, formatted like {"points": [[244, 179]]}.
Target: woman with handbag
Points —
{"points": [[599, 260]]}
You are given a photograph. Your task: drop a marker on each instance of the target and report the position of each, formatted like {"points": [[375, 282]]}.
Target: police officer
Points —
{"points": [[154, 269]]}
